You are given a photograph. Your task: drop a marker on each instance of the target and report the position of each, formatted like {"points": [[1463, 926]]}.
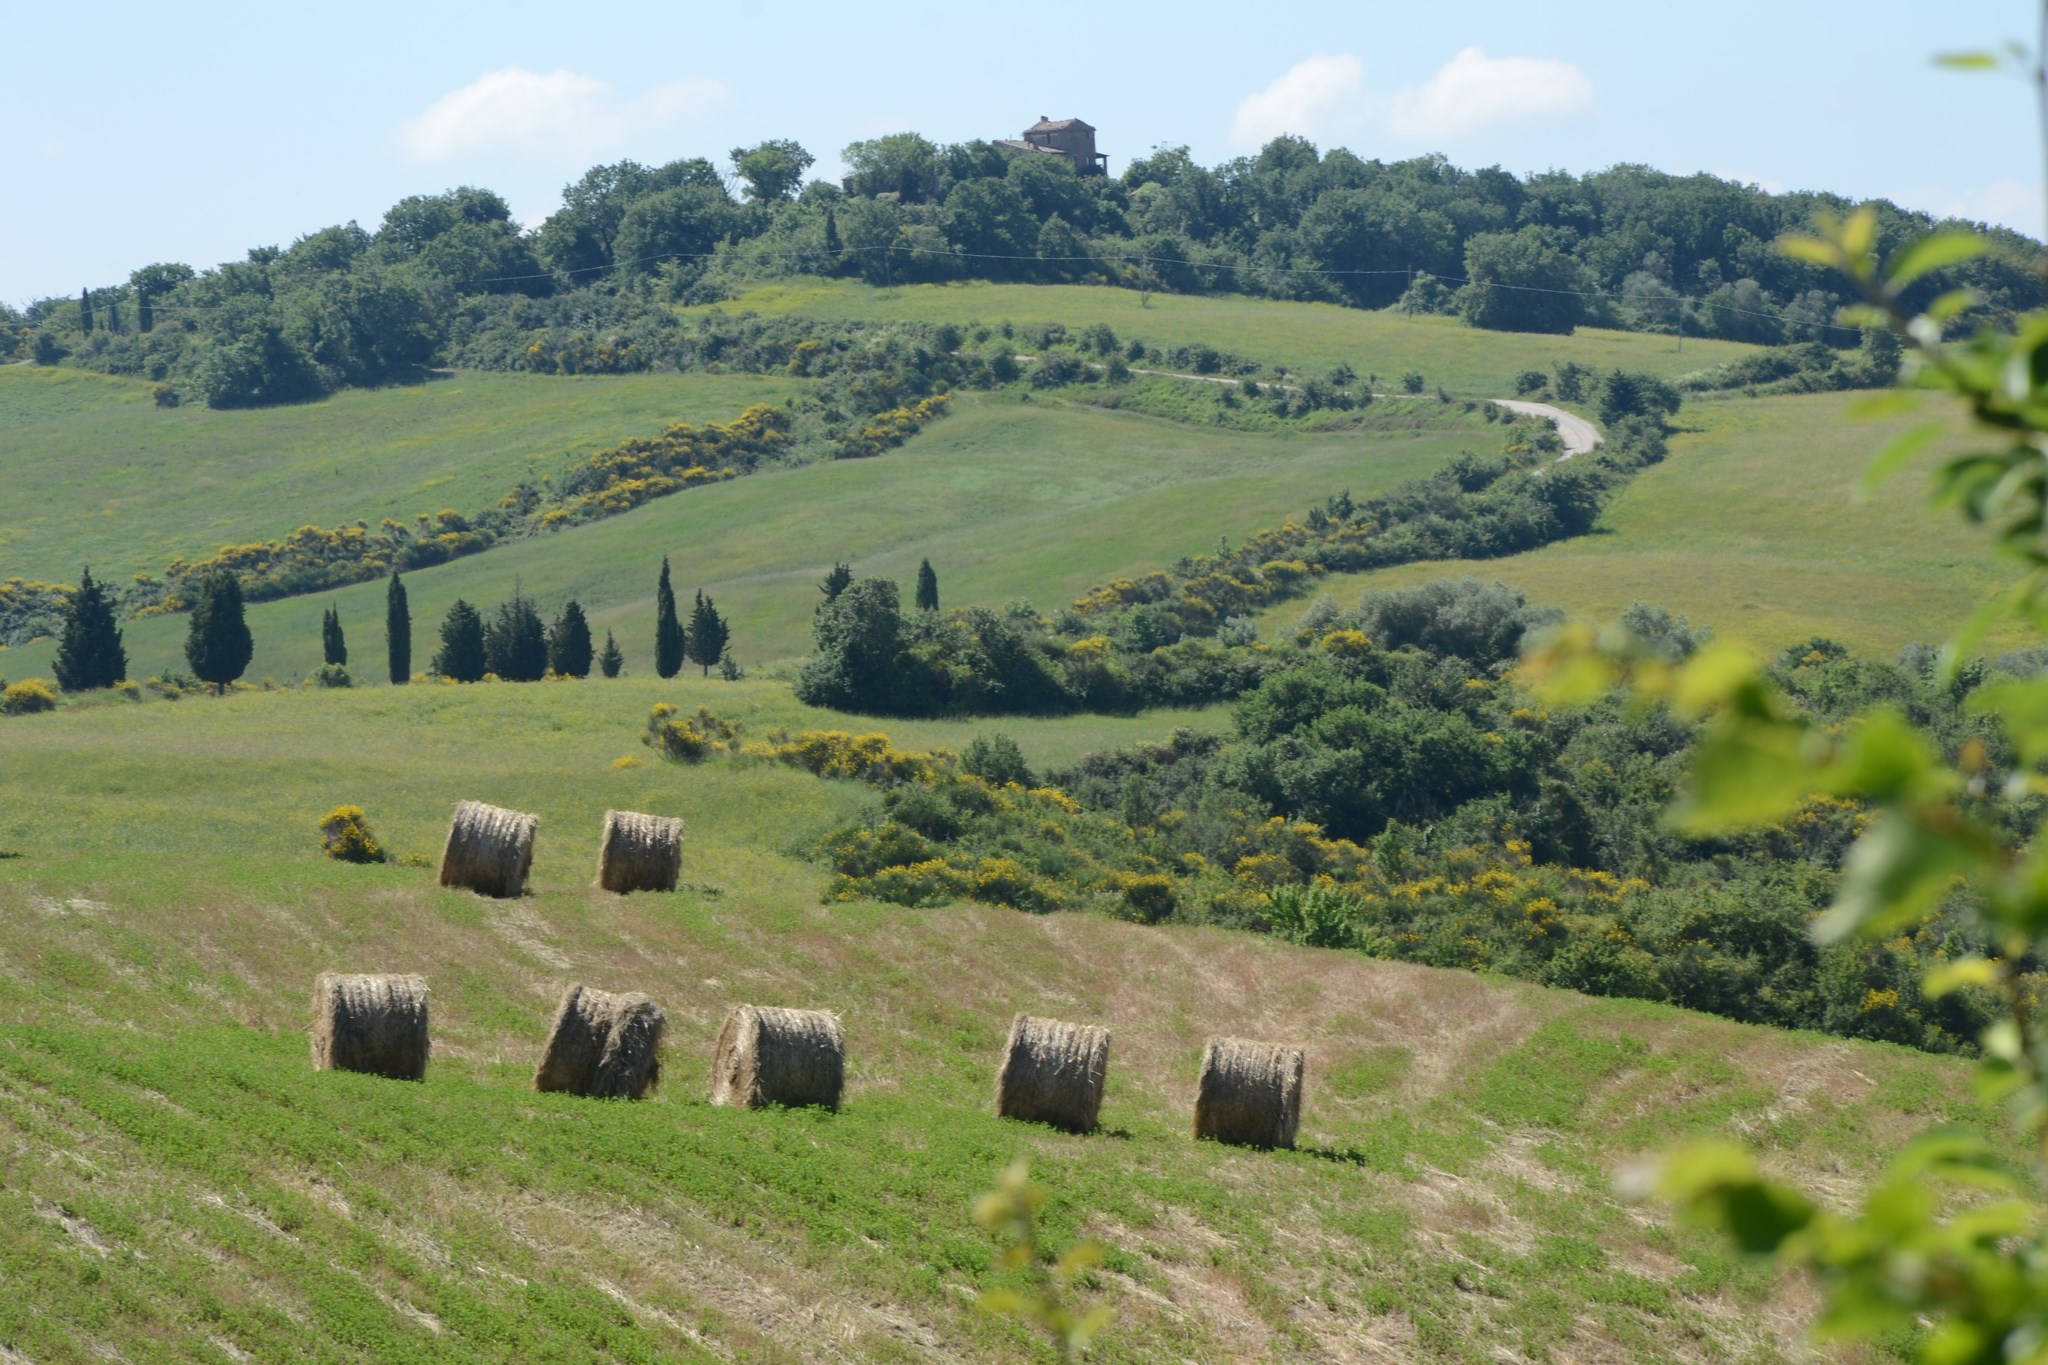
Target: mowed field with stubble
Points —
{"points": [[177, 1183]]}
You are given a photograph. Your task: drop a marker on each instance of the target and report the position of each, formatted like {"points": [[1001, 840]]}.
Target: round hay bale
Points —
{"points": [[375, 1024], [1053, 1072], [1250, 1093], [776, 1056], [489, 849], [639, 852], [603, 1045]]}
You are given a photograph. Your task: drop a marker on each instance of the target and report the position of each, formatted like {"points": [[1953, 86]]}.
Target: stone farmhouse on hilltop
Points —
{"points": [[1067, 137]]}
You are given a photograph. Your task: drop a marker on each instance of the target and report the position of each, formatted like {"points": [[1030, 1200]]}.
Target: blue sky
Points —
{"points": [[192, 132]]}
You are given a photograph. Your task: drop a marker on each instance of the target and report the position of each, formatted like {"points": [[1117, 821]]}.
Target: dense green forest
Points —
{"points": [[452, 278]]}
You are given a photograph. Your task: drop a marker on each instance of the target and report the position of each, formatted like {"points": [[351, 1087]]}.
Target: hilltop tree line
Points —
{"points": [[344, 305]]}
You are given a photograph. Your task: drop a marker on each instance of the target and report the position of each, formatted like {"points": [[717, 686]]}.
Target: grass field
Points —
{"points": [[97, 474], [177, 1184], [1009, 500], [1310, 337], [1753, 526]]}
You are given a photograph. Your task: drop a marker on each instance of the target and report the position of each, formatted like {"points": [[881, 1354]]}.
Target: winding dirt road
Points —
{"points": [[1579, 435]]}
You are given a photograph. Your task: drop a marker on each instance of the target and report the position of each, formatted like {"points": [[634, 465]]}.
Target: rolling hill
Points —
{"points": [[178, 1184], [1755, 525], [1008, 499]]}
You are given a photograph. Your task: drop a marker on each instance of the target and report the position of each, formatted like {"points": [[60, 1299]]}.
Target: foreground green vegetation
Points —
{"points": [[170, 905]]}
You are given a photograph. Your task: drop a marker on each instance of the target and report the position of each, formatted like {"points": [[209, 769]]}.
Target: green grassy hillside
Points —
{"points": [[1034, 500], [177, 1184], [1754, 526], [1311, 337], [97, 474]]}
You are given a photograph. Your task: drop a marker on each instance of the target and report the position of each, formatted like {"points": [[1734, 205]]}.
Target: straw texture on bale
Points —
{"points": [[602, 1044], [489, 849], [1053, 1073], [1250, 1093], [375, 1024], [639, 852], [777, 1056]]}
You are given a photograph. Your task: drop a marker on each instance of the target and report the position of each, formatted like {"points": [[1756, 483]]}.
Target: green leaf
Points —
{"points": [[1951, 977], [1952, 305], [1897, 872], [1933, 252], [1747, 772], [1886, 758], [1896, 455], [1810, 249], [2023, 707], [1967, 61]]}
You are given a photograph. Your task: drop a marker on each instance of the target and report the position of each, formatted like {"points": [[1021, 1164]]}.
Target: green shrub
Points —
{"points": [[345, 837], [691, 739], [27, 697], [1148, 898], [332, 675]]}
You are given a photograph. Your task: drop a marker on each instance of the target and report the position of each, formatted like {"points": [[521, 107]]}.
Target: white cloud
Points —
{"points": [[1474, 90], [1316, 98], [557, 114], [2007, 203]]}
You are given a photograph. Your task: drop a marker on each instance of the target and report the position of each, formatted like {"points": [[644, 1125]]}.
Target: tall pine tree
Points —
{"points": [[89, 653], [927, 587], [707, 633], [836, 582], [516, 642], [398, 632], [669, 642], [612, 660], [85, 310], [218, 645], [569, 642], [333, 644], [461, 655]]}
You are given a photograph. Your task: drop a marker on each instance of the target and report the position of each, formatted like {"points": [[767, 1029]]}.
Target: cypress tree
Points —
{"points": [[832, 244], [927, 587], [461, 655], [836, 581], [569, 643], [611, 661], [85, 310], [89, 653], [333, 645], [707, 633], [145, 316], [516, 643], [218, 645], [398, 631], [114, 315], [669, 641]]}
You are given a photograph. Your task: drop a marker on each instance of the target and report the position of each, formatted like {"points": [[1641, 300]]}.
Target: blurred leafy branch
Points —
{"points": [[1010, 1213], [1949, 1248]]}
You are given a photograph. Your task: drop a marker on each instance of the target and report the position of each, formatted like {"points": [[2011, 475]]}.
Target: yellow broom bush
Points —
{"points": [[345, 837]]}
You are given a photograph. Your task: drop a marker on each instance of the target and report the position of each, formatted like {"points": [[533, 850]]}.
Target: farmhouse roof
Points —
{"points": [[1052, 125]]}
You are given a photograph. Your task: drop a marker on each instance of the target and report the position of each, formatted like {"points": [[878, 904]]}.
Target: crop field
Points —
{"points": [[178, 1184], [97, 474], [1008, 499], [1308, 337], [1754, 526]]}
